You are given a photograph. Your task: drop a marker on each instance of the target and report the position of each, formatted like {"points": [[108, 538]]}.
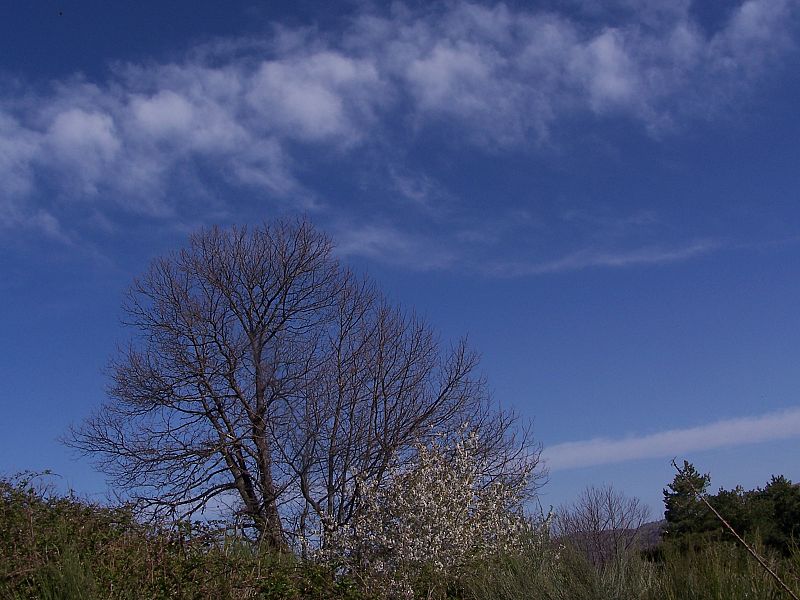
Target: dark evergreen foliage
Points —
{"points": [[770, 514], [684, 513]]}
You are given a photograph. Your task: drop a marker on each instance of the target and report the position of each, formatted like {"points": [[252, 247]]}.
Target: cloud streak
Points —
{"points": [[675, 442], [392, 246], [594, 258]]}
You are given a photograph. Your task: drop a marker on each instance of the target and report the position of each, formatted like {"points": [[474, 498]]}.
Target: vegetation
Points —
{"points": [[60, 547], [601, 554], [354, 458], [771, 514]]}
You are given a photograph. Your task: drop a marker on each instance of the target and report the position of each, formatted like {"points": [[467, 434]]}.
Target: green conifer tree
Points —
{"points": [[685, 514]]}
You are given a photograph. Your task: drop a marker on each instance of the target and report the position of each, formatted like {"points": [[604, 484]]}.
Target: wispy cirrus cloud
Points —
{"points": [[242, 114], [464, 247], [594, 258], [391, 245], [675, 442]]}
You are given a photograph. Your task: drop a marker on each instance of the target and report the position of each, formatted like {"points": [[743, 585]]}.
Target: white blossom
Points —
{"points": [[433, 516]]}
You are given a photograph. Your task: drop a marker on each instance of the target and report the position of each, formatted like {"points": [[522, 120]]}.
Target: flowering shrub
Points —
{"points": [[433, 516]]}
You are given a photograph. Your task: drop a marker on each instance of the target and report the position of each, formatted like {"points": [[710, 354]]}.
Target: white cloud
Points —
{"points": [[82, 145], [164, 114], [42, 221], [675, 442], [585, 259], [319, 97], [607, 71], [390, 245], [18, 147], [756, 23], [501, 77], [423, 191], [449, 77], [78, 132]]}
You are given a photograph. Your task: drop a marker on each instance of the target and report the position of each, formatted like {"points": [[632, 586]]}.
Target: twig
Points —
{"points": [[761, 561]]}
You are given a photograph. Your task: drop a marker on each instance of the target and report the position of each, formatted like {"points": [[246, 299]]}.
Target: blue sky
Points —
{"points": [[604, 199]]}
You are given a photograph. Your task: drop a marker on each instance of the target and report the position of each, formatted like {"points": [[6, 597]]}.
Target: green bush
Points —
{"points": [[62, 548]]}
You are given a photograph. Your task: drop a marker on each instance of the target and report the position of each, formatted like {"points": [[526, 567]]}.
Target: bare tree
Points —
{"points": [[602, 523], [267, 372], [384, 386]]}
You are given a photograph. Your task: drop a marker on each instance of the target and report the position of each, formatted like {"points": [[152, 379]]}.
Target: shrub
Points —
{"points": [[419, 528], [60, 547]]}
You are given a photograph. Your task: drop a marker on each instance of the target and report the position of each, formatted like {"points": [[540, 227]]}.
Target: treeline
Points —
{"points": [[768, 515], [60, 547]]}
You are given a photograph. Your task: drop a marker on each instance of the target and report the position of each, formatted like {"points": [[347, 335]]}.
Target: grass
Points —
{"points": [[719, 571]]}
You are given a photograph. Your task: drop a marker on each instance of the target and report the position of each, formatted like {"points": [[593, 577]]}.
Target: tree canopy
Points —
{"points": [[771, 513]]}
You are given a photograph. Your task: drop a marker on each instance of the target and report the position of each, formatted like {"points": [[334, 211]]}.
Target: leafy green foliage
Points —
{"points": [[62, 548]]}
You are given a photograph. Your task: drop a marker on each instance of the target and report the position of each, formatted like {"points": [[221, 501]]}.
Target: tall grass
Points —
{"points": [[723, 570], [560, 572], [719, 571]]}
